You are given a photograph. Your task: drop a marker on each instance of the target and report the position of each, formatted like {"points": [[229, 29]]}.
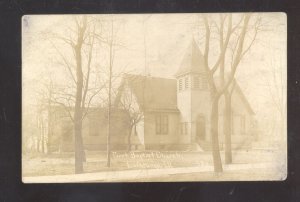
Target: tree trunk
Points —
{"points": [[129, 139], [109, 117], [109, 96], [214, 135], [227, 128], [79, 151], [108, 129], [43, 138]]}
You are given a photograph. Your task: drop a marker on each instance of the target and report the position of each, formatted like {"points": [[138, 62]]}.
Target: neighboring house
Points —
{"points": [[158, 113], [94, 129]]}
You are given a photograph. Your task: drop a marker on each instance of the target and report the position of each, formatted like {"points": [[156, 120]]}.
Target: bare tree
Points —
{"points": [[43, 116], [109, 92], [77, 94], [277, 90], [126, 100], [111, 42], [235, 34]]}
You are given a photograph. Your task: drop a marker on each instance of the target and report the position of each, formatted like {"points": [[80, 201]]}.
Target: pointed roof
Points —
{"points": [[237, 89], [152, 93], [193, 60]]}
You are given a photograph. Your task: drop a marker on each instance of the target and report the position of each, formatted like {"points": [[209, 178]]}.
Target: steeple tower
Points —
{"points": [[193, 96]]}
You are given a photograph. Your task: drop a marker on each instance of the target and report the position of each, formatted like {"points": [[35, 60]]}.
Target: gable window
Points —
{"points": [[93, 127], [161, 124], [186, 82], [180, 84], [196, 82]]}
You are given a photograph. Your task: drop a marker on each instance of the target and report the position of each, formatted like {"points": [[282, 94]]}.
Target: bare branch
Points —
{"points": [[65, 108], [237, 58], [65, 61], [207, 41], [89, 69]]}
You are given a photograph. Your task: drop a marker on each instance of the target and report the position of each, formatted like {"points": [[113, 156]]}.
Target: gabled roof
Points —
{"points": [[237, 89], [152, 93], [243, 97], [192, 62], [160, 94]]}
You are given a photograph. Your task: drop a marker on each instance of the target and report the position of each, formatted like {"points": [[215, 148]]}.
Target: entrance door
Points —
{"points": [[200, 128]]}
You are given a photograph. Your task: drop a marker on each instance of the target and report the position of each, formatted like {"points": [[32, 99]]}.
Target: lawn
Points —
{"points": [[61, 164]]}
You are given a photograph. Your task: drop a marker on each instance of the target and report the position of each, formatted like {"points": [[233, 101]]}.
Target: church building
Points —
{"points": [[176, 112], [160, 114]]}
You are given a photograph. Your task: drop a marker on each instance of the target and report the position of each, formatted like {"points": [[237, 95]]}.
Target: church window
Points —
{"points": [[186, 82], [161, 124]]}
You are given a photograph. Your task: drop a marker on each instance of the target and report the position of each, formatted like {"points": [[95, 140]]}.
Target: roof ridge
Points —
{"points": [[146, 76]]}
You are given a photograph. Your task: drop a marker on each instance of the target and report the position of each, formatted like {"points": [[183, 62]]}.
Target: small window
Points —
{"points": [[186, 82], [196, 82], [162, 124], [180, 84]]}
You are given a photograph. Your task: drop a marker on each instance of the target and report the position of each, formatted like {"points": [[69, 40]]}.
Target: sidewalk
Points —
{"points": [[125, 175]]}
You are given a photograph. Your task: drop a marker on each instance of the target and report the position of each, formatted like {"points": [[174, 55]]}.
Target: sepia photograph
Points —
{"points": [[154, 97]]}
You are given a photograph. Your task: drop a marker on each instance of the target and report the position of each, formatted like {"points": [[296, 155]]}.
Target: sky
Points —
{"points": [[154, 44]]}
